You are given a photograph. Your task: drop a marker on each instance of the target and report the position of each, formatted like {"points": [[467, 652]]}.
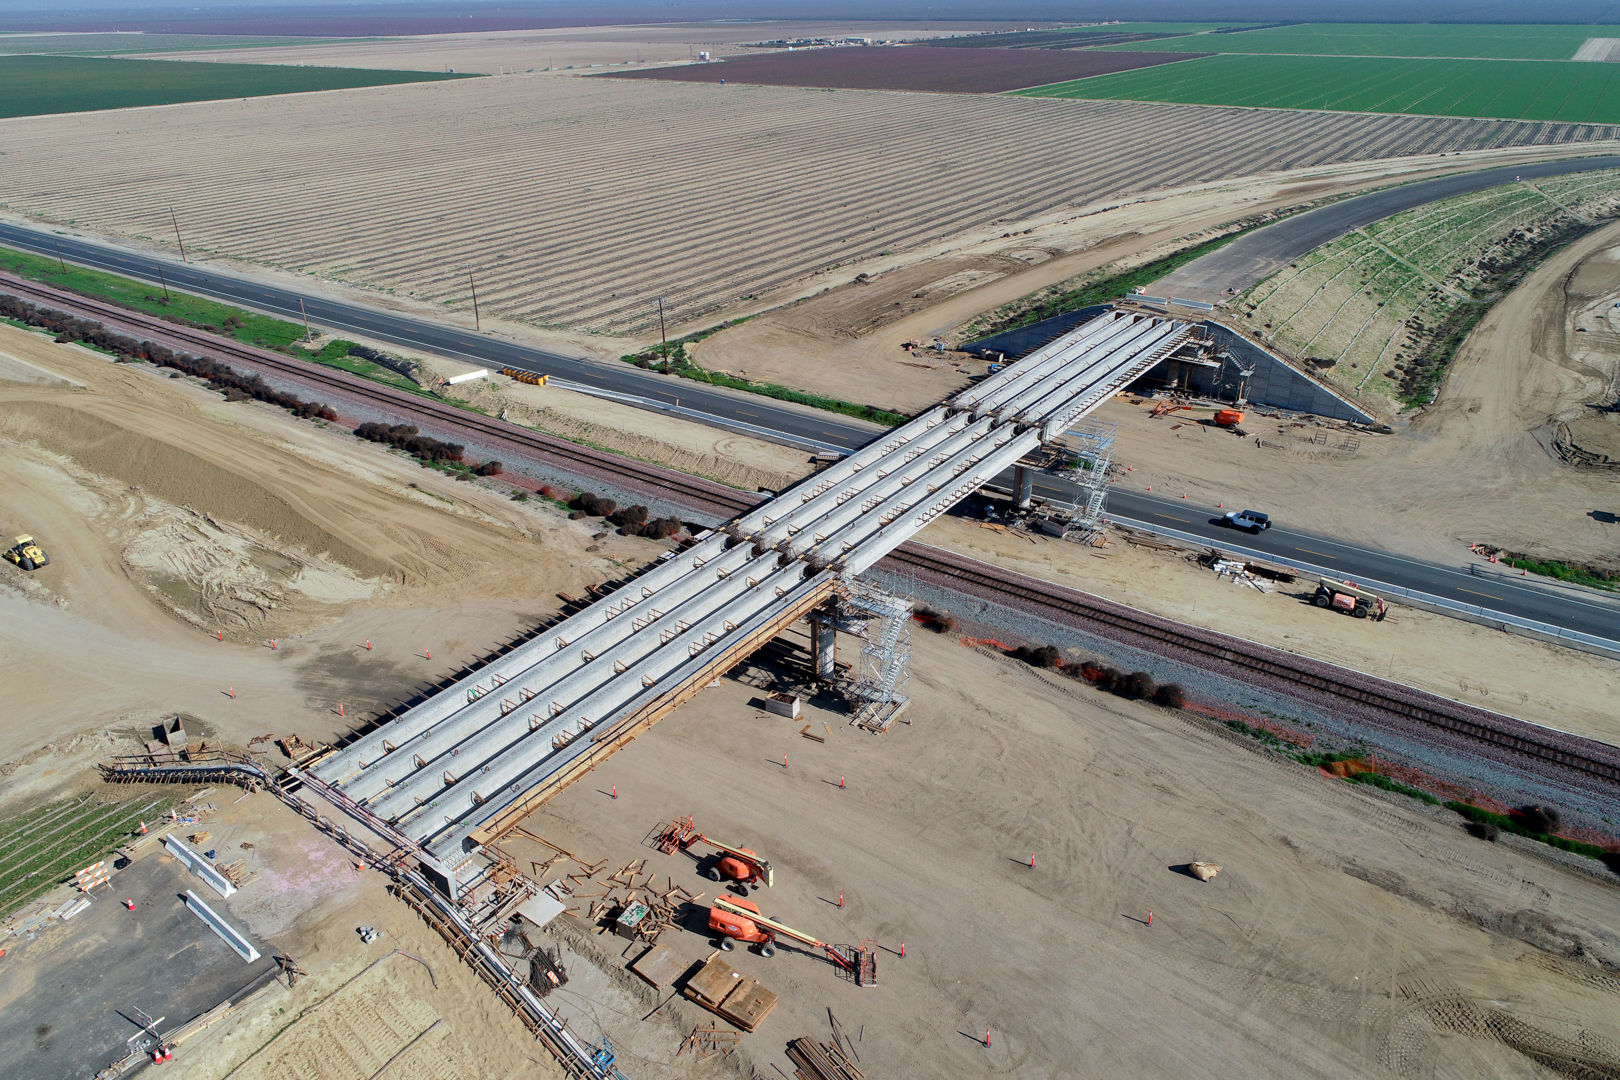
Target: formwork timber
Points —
{"points": [[466, 765]]}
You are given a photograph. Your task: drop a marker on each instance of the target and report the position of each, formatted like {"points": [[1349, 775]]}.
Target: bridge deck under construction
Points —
{"points": [[478, 756]]}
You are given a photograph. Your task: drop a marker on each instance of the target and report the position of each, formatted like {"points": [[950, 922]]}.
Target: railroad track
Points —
{"points": [[1066, 605], [1362, 690], [676, 487]]}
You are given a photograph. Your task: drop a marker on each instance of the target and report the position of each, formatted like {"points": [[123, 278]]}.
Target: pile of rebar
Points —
{"points": [[821, 1061]]}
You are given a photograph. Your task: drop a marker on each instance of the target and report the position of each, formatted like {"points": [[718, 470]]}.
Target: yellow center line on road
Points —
{"points": [[1484, 594], [1172, 517], [1324, 554]]}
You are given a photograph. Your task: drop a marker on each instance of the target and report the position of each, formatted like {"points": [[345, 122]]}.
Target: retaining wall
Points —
{"points": [[1275, 382]]}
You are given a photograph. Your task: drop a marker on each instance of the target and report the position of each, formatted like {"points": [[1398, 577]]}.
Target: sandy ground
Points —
{"points": [[692, 448], [577, 202], [524, 51], [1531, 680], [1348, 935], [851, 336], [170, 515], [1475, 467], [359, 1005]]}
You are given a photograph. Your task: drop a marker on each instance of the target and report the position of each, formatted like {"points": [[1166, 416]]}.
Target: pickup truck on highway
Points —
{"points": [[1252, 520]]}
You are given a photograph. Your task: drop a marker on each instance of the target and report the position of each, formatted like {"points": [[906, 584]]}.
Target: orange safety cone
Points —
{"points": [[902, 950], [143, 829], [1150, 917], [340, 708], [221, 634], [840, 901], [784, 761], [130, 904], [232, 691], [428, 653], [368, 644], [272, 644]]}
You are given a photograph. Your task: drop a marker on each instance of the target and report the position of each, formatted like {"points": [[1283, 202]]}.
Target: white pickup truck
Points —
{"points": [[1252, 520]]}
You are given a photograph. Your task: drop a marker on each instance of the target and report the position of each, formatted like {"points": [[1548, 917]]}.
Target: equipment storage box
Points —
{"points": [[782, 705]]}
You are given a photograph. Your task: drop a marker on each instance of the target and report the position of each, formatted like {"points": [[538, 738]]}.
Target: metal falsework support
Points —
{"points": [[1025, 482], [823, 645]]}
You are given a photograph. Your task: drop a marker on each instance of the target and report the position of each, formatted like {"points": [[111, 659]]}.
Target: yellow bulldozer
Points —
{"points": [[27, 554]]}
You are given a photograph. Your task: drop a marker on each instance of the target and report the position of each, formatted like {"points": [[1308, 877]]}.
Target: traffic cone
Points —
{"points": [[130, 904]]}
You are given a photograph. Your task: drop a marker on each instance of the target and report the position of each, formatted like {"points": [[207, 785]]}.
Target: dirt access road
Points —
{"points": [[1348, 934]]}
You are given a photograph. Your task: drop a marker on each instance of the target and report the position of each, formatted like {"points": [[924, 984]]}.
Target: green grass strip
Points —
{"points": [[1507, 824], [678, 363], [1561, 571], [1100, 291]]}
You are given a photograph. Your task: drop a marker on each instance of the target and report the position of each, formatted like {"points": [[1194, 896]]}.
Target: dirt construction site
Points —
{"points": [[1060, 846]]}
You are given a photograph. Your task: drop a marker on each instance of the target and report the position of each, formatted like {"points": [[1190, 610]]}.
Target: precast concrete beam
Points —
{"points": [[568, 655], [1106, 353], [1032, 363], [874, 546], [824, 497], [760, 517], [565, 696], [972, 444], [449, 804], [449, 842], [1099, 342], [1061, 419], [1155, 342], [839, 544], [368, 748]]}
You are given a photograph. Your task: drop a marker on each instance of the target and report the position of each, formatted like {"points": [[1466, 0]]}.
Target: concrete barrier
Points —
{"points": [[228, 933], [199, 866]]}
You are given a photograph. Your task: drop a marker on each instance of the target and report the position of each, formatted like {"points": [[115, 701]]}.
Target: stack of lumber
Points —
{"points": [[730, 995], [821, 1061], [623, 890], [236, 871]]}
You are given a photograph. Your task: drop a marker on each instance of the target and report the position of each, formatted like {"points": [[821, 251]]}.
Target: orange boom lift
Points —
{"points": [[736, 863]]}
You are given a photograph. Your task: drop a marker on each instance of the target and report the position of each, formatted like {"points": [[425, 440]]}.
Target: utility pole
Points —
{"points": [[307, 332], [59, 261], [663, 333], [478, 324], [164, 282], [179, 241]]}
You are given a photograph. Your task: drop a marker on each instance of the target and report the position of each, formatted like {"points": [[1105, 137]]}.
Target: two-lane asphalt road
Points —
{"points": [[1571, 611], [1261, 253], [449, 341], [1566, 608]]}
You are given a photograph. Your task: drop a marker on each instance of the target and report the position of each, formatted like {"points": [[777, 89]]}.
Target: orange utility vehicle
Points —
{"points": [[737, 864], [1228, 418], [1348, 597], [740, 920]]}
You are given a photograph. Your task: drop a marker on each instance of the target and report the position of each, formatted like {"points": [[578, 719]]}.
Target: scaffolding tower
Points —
{"points": [[875, 685], [1086, 457]]}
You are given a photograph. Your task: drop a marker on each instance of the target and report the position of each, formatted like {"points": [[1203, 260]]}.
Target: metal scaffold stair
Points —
{"points": [[883, 623]]}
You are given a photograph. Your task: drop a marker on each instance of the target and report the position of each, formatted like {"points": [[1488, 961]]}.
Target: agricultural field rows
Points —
{"points": [[1491, 40], [127, 43], [576, 202], [1508, 89], [1379, 310]]}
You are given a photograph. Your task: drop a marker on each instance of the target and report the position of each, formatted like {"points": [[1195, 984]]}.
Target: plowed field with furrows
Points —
{"points": [[577, 201]]}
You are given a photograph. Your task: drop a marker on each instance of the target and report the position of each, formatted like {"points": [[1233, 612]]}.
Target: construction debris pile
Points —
{"points": [[636, 910]]}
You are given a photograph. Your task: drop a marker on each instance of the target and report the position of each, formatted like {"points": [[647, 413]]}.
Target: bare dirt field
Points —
{"points": [[171, 515], [1348, 934], [850, 336], [522, 51], [577, 202], [1478, 466], [915, 68]]}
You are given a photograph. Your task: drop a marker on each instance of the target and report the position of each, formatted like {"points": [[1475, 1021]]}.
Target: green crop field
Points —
{"points": [[1504, 89], [36, 85], [130, 44], [1521, 42]]}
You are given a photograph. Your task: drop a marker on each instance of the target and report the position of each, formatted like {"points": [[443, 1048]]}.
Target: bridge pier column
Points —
{"points": [[823, 647], [1025, 483]]}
